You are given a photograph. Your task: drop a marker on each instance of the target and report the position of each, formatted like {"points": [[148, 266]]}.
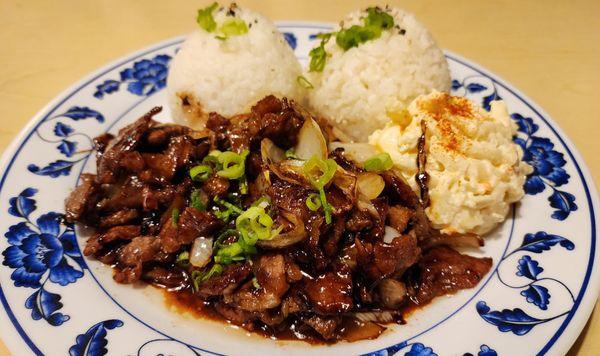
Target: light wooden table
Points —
{"points": [[548, 49]]}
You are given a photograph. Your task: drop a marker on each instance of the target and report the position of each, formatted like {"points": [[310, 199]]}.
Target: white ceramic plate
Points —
{"points": [[536, 299]]}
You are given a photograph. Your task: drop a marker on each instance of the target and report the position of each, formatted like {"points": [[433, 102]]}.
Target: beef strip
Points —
{"points": [[289, 197], [127, 140], [442, 271], [399, 217], [81, 198], [216, 186], [400, 254], [271, 118], [325, 326], [172, 278], [95, 243], [161, 135], [120, 217], [331, 292], [235, 315], [271, 277], [358, 221], [226, 282], [164, 165], [132, 161], [131, 257], [101, 142], [192, 224]]}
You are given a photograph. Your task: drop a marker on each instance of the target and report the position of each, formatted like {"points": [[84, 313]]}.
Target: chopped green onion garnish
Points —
{"points": [[234, 165], [225, 235], [319, 172], [378, 18], [230, 210], [235, 209], [202, 276], [262, 202], [243, 185], [254, 224], [233, 27], [200, 173], [255, 283], [375, 22], [175, 216], [379, 163], [183, 258], [251, 225], [313, 202], [196, 201], [213, 159], [318, 57], [290, 153], [326, 206], [205, 18], [304, 82]]}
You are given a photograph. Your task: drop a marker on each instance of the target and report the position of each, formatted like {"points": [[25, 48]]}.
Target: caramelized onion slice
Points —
{"points": [[346, 181], [370, 185], [378, 316], [270, 153], [201, 252], [390, 234], [283, 240], [355, 330], [290, 171], [311, 141], [368, 207], [453, 240], [358, 152], [392, 293], [198, 134], [173, 279]]}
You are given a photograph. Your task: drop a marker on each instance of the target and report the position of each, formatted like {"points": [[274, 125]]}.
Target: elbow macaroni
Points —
{"points": [[475, 168]]}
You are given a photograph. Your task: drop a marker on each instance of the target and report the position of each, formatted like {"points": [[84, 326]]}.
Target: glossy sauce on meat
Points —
{"points": [[314, 277]]}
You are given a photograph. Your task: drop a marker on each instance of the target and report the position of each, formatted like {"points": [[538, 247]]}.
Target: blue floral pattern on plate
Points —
{"points": [[143, 79], [516, 320], [41, 252], [68, 148]]}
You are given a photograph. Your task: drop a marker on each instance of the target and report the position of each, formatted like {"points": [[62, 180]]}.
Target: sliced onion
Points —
{"points": [[346, 181], [270, 153], [383, 316], [355, 330], [311, 141], [454, 240], [201, 253], [392, 293], [370, 185], [358, 152], [390, 234], [283, 240], [368, 207], [340, 135], [290, 171], [198, 134]]}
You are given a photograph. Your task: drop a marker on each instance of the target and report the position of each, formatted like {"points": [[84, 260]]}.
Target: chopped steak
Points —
{"points": [[443, 270], [82, 198], [262, 240]]}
